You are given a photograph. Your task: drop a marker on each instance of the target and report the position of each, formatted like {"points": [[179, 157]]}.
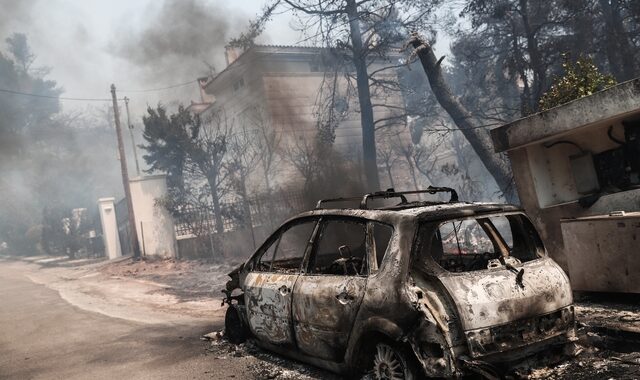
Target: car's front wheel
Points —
{"points": [[234, 329], [390, 362]]}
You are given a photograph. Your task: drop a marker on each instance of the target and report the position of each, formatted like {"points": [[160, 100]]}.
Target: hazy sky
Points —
{"points": [[90, 44], [136, 44]]}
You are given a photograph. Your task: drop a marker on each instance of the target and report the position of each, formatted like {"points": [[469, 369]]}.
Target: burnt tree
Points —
{"points": [[477, 136]]}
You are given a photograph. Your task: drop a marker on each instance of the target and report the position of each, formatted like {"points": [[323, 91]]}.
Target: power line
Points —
{"points": [[92, 99], [53, 97], [161, 88]]}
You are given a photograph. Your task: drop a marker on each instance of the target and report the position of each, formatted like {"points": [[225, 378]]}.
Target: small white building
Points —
{"points": [[577, 171]]}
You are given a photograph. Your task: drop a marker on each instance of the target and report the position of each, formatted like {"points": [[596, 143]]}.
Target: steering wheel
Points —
{"points": [[345, 264]]}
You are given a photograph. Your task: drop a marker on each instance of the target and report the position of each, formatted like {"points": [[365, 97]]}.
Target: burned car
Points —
{"points": [[412, 289]]}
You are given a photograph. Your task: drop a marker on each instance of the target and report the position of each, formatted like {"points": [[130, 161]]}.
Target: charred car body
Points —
{"points": [[415, 289]]}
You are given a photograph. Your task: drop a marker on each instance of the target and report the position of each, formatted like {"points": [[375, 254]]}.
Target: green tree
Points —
{"points": [[581, 78], [182, 144], [168, 137]]}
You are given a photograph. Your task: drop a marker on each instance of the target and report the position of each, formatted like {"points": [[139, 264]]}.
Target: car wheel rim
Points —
{"points": [[387, 364]]}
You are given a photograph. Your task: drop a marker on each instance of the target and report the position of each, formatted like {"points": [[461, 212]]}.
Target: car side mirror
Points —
{"points": [[344, 251]]}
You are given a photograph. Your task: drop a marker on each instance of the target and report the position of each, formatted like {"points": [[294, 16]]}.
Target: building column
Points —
{"points": [[107, 210]]}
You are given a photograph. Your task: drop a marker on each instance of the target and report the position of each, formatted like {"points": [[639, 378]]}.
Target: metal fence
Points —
{"points": [[260, 211]]}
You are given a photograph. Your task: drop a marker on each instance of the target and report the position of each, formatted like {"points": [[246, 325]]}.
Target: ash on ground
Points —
{"points": [[189, 280], [263, 364]]}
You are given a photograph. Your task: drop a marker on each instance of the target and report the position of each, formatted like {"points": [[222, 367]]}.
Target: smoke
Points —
{"points": [[180, 39], [14, 12], [66, 158]]}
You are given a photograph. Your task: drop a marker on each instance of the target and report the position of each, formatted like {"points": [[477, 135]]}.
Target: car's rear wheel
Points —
{"points": [[390, 362], [234, 329]]}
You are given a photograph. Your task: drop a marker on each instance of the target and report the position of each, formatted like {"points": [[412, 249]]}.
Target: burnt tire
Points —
{"points": [[234, 329], [392, 362]]}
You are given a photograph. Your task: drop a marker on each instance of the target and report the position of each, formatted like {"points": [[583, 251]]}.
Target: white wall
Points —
{"points": [[107, 210], [154, 223], [551, 167]]}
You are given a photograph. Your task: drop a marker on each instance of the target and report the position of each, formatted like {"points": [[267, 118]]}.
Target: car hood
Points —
{"points": [[493, 297]]}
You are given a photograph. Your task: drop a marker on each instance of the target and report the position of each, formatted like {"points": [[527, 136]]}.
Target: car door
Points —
{"points": [[326, 299], [269, 285]]}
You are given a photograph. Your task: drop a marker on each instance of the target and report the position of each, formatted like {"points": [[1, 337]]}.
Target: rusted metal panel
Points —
{"points": [[268, 300], [493, 297], [324, 309], [521, 333]]}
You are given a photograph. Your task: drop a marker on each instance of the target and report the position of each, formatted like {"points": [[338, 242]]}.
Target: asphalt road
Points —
{"points": [[44, 337]]}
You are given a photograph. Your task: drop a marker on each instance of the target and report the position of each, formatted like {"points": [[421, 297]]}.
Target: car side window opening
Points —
{"points": [[263, 263], [285, 254], [480, 243], [381, 237], [341, 249]]}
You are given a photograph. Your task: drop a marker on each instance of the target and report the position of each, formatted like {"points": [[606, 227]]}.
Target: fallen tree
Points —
{"points": [[497, 164]]}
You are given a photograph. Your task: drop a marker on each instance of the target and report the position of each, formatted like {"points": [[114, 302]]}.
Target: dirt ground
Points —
{"points": [[189, 280], [170, 291]]}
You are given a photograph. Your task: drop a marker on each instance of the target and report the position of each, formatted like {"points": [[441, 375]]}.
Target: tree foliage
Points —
{"points": [[580, 78], [168, 138], [508, 52]]}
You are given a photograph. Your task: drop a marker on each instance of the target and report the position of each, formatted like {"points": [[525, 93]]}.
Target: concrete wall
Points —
{"points": [[107, 211], [621, 101], [547, 189], [154, 223]]}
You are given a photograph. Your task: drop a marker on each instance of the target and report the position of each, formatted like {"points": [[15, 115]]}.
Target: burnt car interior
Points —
{"points": [[341, 249], [286, 251], [485, 242], [461, 245]]}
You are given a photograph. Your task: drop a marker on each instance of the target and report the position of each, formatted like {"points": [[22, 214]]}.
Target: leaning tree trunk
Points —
{"points": [[479, 140]]}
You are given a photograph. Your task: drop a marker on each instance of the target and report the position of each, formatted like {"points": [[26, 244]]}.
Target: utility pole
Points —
{"points": [[133, 142], [133, 234]]}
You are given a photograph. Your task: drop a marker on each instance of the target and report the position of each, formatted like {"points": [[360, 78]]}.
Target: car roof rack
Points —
{"points": [[391, 193]]}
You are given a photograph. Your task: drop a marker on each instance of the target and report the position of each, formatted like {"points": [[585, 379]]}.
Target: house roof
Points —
{"points": [[271, 49], [615, 102], [267, 49]]}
